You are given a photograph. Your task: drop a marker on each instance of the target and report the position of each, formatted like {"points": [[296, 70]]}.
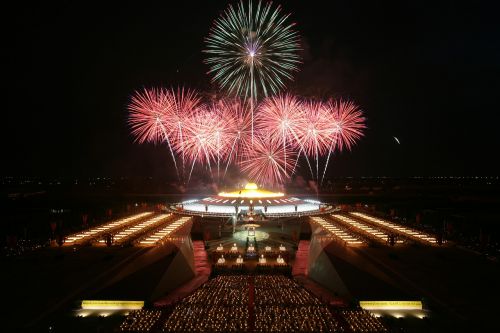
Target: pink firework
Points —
{"points": [[348, 127], [148, 115], [159, 115], [220, 133], [224, 131], [265, 163], [183, 103], [315, 129], [207, 136], [240, 131], [198, 144], [348, 121], [280, 117]]}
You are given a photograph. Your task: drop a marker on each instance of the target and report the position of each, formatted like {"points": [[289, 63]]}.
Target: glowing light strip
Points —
{"points": [[138, 228], [336, 231], [312, 201], [112, 305], [193, 200], [105, 227], [374, 232], [164, 232], [391, 305], [394, 226], [251, 193]]}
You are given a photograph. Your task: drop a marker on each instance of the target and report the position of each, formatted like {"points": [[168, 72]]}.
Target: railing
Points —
{"points": [[327, 210]]}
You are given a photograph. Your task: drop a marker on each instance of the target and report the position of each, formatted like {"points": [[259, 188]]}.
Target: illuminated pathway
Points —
{"points": [[138, 228], [336, 231], [75, 238], [396, 227], [164, 232], [372, 232]]}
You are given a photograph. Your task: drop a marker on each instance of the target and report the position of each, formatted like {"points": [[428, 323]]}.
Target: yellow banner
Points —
{"points": [[391, 305], [112, 305]]}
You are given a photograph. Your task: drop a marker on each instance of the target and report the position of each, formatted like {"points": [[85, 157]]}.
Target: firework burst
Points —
{"points": [[281, 117], [219, 133], [148, 113], [348, 124], [182, 105], [348, 121], [314, 131], [149, 118], [264, 161], [240, 131], [252, 49], [160, 115]]}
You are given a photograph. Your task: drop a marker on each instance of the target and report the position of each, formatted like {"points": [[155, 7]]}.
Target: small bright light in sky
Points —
{"points": [[252, 53]]}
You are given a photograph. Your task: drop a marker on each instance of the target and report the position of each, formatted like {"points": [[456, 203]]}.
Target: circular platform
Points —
{"points": [[251, 202]]}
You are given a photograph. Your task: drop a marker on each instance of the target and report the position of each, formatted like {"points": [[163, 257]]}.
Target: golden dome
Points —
{"points": [[251, 190]]}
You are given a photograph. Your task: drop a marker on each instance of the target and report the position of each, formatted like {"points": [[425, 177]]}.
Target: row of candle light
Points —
{"points": [[105, 228], [165, 231], [404, 230], [336, 231]]}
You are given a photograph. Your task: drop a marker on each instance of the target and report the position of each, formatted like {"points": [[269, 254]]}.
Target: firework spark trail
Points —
{"points": [[351, 123], [224, 128], [332, 145], [264, 161], [348, 127], [219, 132], [314, 131], [199, 143], [240, 132], [183, 104], [252, 50], [148, 114], [280, 117]]}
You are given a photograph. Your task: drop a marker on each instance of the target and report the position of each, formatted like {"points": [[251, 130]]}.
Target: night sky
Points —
{"points": [[425, 72]]}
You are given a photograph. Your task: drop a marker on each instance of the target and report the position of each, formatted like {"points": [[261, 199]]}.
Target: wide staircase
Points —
{"points": [[301, 259]]}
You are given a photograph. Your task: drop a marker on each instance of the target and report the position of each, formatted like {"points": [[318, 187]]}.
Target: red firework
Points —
{"points": [[240, 131], [280, 117], [198, 144], [314, 132], [224, 130], [348, 121], [265, 162], [208, 135], [148, 115], [220, 132], [183, 103]]}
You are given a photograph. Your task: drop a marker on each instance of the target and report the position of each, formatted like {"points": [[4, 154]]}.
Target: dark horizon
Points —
{"points": [[425, 73]]}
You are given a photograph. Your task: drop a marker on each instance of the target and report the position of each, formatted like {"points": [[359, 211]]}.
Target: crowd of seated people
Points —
{"points": [[279, 318], [281, 305], [227, 254], [229, 269], [220, 305], [273, 268], [277, 304], [140, 320], [275, 254], [287, 294], [362, 321]]}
